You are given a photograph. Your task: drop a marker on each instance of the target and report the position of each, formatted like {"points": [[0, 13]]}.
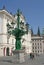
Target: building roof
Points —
{"points": [[36, 37], [6, 12]]}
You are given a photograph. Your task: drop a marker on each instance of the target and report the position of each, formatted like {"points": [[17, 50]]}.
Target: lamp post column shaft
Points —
{"points": [[18, 19]]}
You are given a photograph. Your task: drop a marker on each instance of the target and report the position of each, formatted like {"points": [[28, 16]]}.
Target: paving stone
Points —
{"points": [[12, 60]]}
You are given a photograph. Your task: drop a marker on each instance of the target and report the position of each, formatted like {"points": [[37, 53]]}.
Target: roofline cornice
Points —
{"points": [[7, 13]]}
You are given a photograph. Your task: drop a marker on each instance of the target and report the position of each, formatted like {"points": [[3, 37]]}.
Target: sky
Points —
{"points": [[33, 10]]}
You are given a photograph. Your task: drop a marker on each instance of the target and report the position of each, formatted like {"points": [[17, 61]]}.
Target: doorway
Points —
{"points": [[7, 51]]}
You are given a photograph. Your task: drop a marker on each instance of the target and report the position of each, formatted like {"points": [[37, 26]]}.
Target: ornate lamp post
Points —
{"points": [[17, 32]]}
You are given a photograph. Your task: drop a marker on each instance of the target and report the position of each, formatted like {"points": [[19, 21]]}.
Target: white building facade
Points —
{"points": [[37, 44], [6, 45]]}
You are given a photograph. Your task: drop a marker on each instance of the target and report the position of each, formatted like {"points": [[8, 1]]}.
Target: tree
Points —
{"points": [[38, 33]]}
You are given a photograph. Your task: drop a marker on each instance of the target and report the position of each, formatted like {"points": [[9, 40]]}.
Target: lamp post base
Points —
{"points": [[20, 55]]}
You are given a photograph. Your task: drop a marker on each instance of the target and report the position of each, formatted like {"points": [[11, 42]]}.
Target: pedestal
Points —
{"points": [[20, 55]]}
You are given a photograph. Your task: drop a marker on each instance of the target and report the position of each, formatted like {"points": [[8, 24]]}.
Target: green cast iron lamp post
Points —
{"points": [[17, 32]]}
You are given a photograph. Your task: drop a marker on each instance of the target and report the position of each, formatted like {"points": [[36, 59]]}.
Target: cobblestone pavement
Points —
{"points": [[12, 60]]}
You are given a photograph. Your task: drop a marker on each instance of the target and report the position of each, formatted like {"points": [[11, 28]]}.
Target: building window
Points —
{"points": [[43, 41], [38, 51], [38, 43], [33, 43], [40, 40], [33, 51], [38, 47], [35, 47], [41, 51], [8, 39]]}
